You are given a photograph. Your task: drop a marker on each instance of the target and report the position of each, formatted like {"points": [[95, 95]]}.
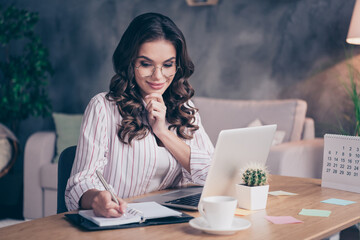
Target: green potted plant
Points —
{"points": [[252, 193], [24, 68]]}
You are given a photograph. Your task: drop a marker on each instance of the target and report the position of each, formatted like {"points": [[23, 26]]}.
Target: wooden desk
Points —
{"points": [[310, 195]]}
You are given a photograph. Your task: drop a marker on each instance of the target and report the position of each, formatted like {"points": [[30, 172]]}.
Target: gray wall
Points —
{"points": [[241, 49]]}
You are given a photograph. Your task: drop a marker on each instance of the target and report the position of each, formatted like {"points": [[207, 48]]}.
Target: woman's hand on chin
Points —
{"points": [[156, 109]]}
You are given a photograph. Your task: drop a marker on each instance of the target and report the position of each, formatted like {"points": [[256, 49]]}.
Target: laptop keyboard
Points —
{"points": [[192, 200]]}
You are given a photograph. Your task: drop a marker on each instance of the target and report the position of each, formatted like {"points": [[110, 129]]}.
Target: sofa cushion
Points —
{"points": [[48, 175], [219, 114], [67, 131]]}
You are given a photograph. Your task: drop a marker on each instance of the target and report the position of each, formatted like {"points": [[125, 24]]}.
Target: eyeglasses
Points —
{"points": [[147, 70]]}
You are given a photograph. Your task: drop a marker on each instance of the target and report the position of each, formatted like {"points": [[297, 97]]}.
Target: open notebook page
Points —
{"points": [[150, 210]]}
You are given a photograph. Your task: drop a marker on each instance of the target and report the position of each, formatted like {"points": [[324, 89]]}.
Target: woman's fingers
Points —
{"points": [[155, 102], [155, 106], [123, 205], [108, 213], [154, 96], [105, 207], [156, 112], [156, 109]]}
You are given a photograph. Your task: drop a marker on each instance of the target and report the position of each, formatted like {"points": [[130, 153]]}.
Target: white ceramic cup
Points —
{"points": [[218, 211]]}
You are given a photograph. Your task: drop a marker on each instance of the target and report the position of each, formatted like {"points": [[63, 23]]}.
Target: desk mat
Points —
{"points": [[88, 225]]}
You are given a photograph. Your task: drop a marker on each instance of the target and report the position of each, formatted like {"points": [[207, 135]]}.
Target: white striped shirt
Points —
{"points": [[129, 169]]}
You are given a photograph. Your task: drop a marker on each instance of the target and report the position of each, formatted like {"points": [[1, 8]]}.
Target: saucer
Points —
{"points": [[238, 224]]}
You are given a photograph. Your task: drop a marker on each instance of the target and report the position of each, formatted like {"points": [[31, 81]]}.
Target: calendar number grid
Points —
{"points": [[341, 162]]}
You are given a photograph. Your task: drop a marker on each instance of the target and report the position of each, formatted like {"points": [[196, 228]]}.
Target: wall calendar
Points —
{"points": [[341, 162]]}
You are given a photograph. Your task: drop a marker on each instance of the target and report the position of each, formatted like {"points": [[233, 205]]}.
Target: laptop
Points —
{"points": [[234, 149]]}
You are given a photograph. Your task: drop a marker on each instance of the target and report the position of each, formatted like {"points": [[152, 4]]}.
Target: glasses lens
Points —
{"points": [[169, 70], [146, 70]]}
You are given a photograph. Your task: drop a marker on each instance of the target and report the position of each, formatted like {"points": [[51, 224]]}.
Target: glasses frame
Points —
{"points": [[161, 70]]}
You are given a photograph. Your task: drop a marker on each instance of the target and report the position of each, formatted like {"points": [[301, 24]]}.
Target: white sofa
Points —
{"points": [[299, 155]]}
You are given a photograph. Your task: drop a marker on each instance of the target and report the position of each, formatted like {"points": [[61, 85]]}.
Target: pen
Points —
{"points": [[107, 187]]}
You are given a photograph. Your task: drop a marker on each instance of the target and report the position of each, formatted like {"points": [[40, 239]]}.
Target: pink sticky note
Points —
{"points": [[282, 219]]}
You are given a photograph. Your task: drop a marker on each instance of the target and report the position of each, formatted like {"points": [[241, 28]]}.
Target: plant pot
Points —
{"points": [[252, 198]]}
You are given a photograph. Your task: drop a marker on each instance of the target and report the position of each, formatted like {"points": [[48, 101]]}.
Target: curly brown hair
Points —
{"points": [[126, 93]]}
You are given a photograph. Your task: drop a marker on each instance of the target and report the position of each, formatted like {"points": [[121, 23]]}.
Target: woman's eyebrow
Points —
{"points": [[149, 59]]}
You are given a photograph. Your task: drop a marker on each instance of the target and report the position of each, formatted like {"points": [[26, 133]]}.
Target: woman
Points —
{"points": [[144, 134]]}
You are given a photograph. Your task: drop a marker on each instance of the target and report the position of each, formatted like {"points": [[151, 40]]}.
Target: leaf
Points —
{"points": [[24, 72]]}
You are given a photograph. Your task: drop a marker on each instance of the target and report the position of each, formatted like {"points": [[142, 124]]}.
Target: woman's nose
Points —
{"points": [[158, 74]]}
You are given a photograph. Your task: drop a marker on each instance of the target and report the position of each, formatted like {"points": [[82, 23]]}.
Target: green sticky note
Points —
{"points": [[315, 212], [337, 201]]}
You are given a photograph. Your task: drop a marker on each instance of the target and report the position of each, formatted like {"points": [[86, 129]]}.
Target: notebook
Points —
{"points": [[234, 149], [143, 211]]}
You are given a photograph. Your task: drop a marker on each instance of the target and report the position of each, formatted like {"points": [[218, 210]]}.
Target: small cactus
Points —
{"points": [[255, 175]]}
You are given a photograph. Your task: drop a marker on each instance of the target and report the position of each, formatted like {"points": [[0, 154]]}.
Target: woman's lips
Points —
{"points": [[156, 86]]}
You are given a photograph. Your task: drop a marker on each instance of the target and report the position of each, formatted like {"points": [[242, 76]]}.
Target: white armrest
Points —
{"points": [[39, 149], [299, 159], [309, 129]]}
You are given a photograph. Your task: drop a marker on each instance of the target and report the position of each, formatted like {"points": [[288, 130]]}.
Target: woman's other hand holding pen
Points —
{"points": [[102, 204]]}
